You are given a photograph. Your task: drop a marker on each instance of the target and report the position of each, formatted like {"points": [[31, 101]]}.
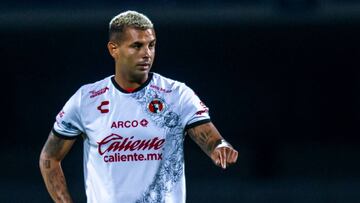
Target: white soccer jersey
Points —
{"points": [[133, 142]]}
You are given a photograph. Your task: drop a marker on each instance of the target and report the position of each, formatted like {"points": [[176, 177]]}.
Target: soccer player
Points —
{"points": [[133, 126]]}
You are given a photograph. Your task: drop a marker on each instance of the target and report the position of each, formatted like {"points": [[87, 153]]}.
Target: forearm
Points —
{"points": [[207, 137], [55, 180], [51, 156], [213, 144]]}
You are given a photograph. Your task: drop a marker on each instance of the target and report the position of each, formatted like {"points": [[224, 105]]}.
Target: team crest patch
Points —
{"points": [[156, 106]]}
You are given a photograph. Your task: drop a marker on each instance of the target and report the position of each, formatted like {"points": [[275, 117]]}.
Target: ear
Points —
{"points": [[113, 48]]}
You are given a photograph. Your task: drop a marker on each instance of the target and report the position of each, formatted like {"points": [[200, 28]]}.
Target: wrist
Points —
{"points": [[222, 143]]}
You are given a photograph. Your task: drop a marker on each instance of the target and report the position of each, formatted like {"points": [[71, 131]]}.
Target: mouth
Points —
{"points": [[144, 66]]}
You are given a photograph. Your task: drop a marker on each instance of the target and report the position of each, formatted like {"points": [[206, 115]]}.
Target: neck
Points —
{"points": [[129, 83]]}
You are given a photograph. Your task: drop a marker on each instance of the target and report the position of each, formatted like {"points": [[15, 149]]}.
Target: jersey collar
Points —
{"points": [[135, 90]]}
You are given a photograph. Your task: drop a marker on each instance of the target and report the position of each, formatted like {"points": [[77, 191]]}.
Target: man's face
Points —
{"points": [[134, 53]]}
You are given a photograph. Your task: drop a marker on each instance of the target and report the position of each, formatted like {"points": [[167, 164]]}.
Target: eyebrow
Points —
{"points": [[137, 43], [141, 43]]}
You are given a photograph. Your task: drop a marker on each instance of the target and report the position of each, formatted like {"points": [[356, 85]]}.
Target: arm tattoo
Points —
{"points": [[46, 163], [203, 138], [57, 184], [206, 136], [53, 146], [53, 152]]}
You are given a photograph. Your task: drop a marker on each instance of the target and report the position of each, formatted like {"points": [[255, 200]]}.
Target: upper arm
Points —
{"points": [[206, 136], [56, 148], [192, 109], [68, 121]]}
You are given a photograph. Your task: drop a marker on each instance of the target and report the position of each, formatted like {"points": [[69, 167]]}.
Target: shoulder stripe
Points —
{"points": [[65, 137], [197, 123]]}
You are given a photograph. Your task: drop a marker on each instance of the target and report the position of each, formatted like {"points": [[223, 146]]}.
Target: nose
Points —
{"points": [[147, 52]]}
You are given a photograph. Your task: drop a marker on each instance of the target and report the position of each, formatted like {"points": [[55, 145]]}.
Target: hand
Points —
{"points": [[224, 156]]}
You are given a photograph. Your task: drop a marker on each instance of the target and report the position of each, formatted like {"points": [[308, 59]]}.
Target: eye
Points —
{"points": [[152, 45], [136, 45]]}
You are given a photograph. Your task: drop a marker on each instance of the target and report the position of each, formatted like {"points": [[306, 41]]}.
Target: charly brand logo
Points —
{"points": [[103, 107], [95, 93], [156, 106], [114, 147]]}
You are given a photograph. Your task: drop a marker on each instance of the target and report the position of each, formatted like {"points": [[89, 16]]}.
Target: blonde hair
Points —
{"points": [[128, 19]]}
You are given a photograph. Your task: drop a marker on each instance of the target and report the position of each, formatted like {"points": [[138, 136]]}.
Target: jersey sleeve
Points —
{"points": [[68, 122], [194, 111]]}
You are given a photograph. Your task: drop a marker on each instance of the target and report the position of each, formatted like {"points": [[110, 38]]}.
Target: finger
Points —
{"points": [[217, 157], [233, 156], [223, 157], [236, 156]]}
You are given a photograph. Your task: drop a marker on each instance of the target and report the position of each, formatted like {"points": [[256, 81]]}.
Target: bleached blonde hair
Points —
{"points": [[128, 19]]}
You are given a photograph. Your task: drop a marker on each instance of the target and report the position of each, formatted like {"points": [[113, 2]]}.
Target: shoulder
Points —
{"points": [[169, 83], [91, 89]]}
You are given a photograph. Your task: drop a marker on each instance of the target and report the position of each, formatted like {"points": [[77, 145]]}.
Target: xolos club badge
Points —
{"points": [[156, 106]]}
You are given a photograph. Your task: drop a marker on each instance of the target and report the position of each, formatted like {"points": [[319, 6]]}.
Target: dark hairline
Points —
{"points": [[120, 30]]}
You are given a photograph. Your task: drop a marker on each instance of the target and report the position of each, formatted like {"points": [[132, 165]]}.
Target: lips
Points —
{"points": [[144, 65]]}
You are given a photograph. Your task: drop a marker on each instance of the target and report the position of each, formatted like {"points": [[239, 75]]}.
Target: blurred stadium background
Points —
{"points": [[281, 78]]}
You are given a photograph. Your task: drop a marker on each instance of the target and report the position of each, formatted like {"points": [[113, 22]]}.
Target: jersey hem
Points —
{"points": [[197, 123], [64, 136]]}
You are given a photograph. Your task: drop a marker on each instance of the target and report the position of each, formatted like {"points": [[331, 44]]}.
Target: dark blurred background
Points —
{"points": [[281, 79]]}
